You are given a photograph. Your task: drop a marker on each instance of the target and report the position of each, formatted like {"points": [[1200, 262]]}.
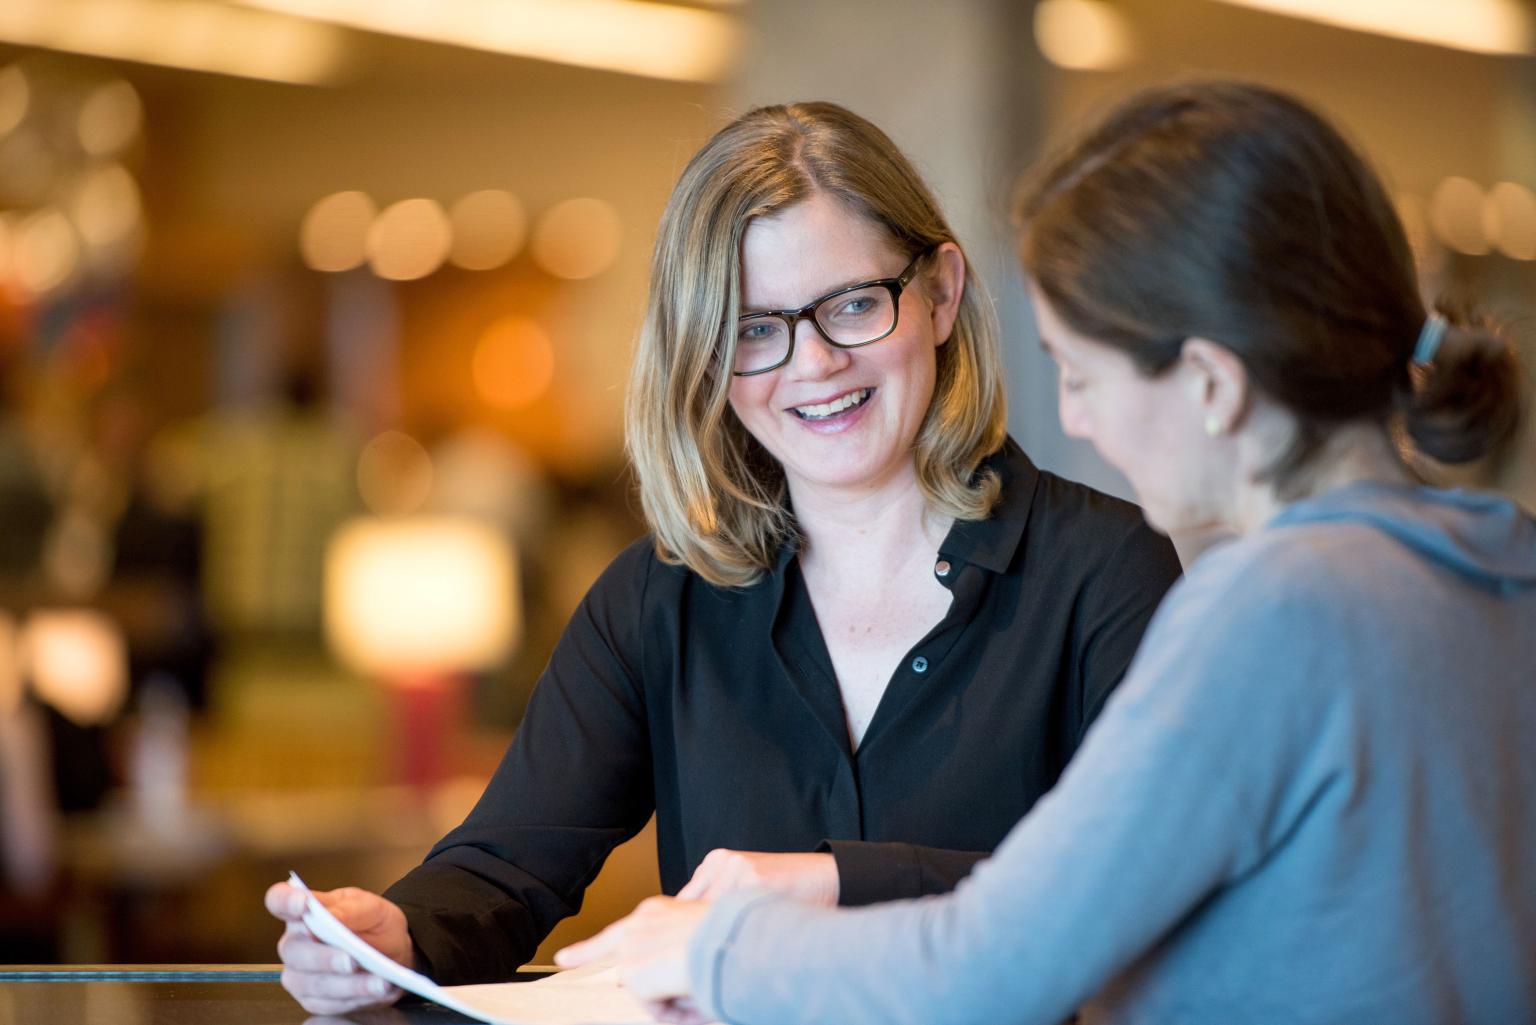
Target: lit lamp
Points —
{"points": [[77, 660], [419, 602]]}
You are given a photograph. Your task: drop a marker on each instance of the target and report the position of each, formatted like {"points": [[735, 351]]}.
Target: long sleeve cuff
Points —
{"points": [[871, 872], [868, 873], [711, 946]]}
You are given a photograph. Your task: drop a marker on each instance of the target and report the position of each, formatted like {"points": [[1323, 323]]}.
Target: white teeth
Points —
{"points": [[837, 405]]}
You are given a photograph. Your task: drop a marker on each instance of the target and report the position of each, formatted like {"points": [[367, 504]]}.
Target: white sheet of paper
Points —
{"points": [[583, 996]]}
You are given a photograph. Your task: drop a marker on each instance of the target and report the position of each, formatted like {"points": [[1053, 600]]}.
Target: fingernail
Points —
{"points": [[379, 986], [296, 904], [342, 962]]}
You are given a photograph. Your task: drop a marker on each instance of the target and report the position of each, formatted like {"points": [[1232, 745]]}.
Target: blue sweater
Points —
{"points": [[1313, 799]]}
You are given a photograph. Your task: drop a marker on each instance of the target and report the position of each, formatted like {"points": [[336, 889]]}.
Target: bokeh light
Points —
{"points": [[334, 235], [1082, 35], [578, 238], [1456, 213], [394, 474], [514, 363], [1509, 220], [107, 210], [409, 240], [78, 663], [489, 227], [45, 253], [110, 119], [15, 98]]}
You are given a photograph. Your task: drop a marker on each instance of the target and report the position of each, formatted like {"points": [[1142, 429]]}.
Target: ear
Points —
{"points": [[1218, 383], [944, 282]]}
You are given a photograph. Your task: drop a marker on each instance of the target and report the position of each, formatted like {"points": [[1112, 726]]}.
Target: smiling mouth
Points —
{"points": [[839, 405]]}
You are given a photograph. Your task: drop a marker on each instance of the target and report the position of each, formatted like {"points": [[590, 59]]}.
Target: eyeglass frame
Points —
{"points": [[896, 286]]}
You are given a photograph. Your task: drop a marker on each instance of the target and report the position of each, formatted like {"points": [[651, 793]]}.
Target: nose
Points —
{"points": [[814, 356]]}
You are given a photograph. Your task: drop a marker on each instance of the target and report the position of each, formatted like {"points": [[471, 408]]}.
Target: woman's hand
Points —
{"points": [[811, 878], [650, 948], [323, 979]]}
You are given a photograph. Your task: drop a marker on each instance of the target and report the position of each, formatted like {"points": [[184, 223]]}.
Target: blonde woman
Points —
{"points": [[865, 633]]}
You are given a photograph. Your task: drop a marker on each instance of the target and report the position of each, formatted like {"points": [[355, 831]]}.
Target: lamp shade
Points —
{"points": [[78, 663], [412, 596]]}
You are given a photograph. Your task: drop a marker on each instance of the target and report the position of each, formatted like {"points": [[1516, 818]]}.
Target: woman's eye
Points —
{"points": [[761, 331], [855, 308]]}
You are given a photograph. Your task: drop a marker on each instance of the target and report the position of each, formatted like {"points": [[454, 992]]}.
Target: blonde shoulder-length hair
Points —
{"points": [[715, 500]]}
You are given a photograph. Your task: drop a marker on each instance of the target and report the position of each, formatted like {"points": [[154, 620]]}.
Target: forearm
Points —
{"points": [[1132, 838]]}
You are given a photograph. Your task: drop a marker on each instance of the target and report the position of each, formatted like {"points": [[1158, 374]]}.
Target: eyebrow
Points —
{"points": [[748, 311]]}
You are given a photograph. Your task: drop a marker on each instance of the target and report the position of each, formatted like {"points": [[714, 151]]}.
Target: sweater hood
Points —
{"points": [[1481, 535]]}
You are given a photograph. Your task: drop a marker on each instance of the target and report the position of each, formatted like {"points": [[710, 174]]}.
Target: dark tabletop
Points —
{"points": [[178, 995]]}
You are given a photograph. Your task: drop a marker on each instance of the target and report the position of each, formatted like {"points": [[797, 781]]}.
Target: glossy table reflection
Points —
{"points": [[180, 995]]}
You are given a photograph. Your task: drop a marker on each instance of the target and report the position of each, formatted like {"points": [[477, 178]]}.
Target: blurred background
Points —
{"points": [[315, 318]]}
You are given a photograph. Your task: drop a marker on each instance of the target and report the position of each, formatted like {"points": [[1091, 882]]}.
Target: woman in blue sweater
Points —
{"points": [[1313, 799]]}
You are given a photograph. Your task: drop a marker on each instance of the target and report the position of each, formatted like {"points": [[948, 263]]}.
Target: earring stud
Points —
{"points": [[1213, 426]]}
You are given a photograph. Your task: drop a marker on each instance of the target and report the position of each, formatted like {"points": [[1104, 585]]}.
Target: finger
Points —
{"points": [[285, 902], [358, 986], [604, 945], [696, 886], [307, 954], [331, 1009]]}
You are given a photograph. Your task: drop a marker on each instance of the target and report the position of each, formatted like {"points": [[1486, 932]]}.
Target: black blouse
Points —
{"points": [[718, 709]]}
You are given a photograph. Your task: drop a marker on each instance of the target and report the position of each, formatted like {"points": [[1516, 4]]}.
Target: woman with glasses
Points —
{"points": [[1313, 800], [865, 634]]}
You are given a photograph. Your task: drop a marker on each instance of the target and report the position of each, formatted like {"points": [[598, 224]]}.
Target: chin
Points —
{"points": [[1164, 517]]}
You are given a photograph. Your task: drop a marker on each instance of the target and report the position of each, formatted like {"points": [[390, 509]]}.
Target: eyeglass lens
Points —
{"points": [[851, 318]]}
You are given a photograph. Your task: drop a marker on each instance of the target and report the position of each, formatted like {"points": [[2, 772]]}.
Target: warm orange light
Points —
{"points": [[1509, 220], [513, 364], [190, 34], [1082, 35], [334, 234], [660, 40], [109, 119], [394, 474], [488, 229], [1478, 26], [578, 238], [45, 253], [409, 240], [107, 210], [1456, 212], [15, 98], [416, 595], [78, 663]]}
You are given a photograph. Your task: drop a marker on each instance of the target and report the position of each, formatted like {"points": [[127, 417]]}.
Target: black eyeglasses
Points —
{"points": [[847, 318]]}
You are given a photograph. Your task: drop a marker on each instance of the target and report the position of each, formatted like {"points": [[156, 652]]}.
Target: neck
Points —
{"points": [[867, 528], [1354, 453]]}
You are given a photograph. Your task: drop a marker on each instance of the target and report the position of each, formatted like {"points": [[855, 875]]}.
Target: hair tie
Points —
{"points": [[1430, 337]]}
